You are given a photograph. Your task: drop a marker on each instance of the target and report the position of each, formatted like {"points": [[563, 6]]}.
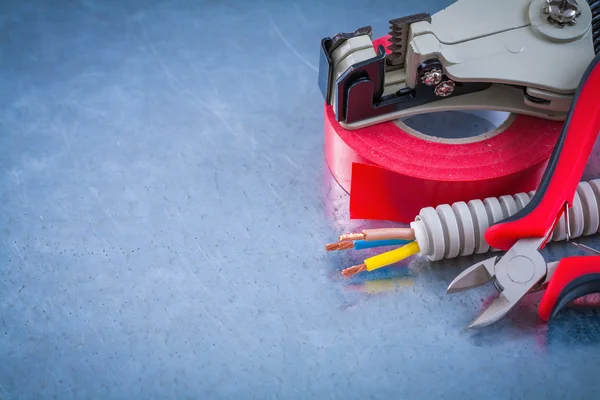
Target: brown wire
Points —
{"points": [[379, 234], [389, 233]]}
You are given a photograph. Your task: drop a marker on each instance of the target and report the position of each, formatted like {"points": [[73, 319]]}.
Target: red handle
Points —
{"points": [[574, 277], [564, 170]]}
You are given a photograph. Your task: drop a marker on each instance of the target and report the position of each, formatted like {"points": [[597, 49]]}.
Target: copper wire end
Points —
{"points": [[339, 246], [352, 236], [332, 246], [350, 272], [345, 246]]}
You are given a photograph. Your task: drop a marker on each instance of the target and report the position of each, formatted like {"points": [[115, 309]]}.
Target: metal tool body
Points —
{"points": [[521, 56], [523, 269]]}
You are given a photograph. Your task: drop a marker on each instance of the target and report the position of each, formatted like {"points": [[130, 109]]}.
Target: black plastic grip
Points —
{"points": [[582, 286]]}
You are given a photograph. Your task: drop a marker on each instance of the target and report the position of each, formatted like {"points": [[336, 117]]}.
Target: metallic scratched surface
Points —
{"points": [[163, 209]]}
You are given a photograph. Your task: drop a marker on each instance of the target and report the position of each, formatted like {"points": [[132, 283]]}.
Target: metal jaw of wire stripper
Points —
{"points": [[523, 269], [520, 56]]}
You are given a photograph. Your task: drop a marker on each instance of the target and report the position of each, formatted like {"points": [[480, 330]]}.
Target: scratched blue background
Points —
{"points": [[163, 209]]}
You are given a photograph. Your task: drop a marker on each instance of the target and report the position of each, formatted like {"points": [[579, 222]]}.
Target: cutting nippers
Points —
{"points": [[523, 269]]}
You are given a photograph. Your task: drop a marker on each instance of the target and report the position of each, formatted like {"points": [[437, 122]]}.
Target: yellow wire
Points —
{"points": [[392, 257]]}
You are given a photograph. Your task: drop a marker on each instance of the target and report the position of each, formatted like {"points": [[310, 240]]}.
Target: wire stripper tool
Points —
{"points": [[519, 56], [522, 269]]}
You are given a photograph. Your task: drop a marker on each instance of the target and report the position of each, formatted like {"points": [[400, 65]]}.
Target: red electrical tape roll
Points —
{"points": [[392, 174]]}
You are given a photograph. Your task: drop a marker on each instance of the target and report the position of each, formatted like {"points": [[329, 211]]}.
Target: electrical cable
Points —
{"points": [[364, 244], [383, 260], [379, 234], [452, 230]]}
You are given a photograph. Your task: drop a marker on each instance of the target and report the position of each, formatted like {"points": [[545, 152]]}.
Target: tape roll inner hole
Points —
{"points": [[456, 126]]}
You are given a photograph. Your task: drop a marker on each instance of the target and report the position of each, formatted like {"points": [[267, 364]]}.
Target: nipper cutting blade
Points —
{"points": [[515, 274], [476, 275], [494, 312]]}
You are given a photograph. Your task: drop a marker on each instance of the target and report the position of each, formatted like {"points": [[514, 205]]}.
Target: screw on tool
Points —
{"points": [[432, 77], [562, 12], [444, 89]]}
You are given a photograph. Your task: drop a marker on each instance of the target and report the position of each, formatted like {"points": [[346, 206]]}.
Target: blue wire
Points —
{"points": [[363, 244]]}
